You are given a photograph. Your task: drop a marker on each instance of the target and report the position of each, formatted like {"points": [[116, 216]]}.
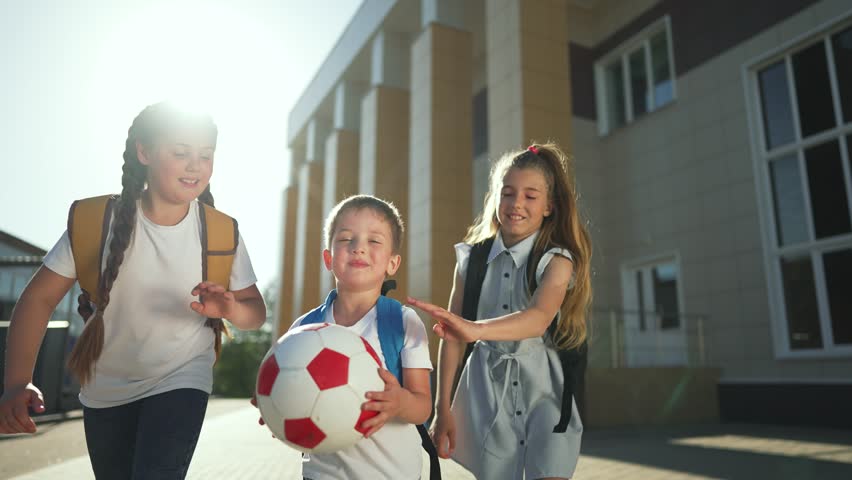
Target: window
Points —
{"points": [[655, 297], [656, 332], [480, 123], [636, 78], [6, 307], [802, 100]]}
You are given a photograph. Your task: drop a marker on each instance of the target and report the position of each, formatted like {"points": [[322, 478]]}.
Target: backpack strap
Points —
{"points": [[88, 228], [220, 236], [391, 331], [477, 265], [317, 315], [573, 362]]}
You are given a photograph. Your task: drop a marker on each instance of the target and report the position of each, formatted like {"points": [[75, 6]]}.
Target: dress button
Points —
{"points": [[505, 307], [518, 412], [522, 442], [506, 275], [515, 383]]}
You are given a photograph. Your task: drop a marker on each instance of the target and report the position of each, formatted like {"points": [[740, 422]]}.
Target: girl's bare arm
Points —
{"points": [[528, 323], [29, 322]]}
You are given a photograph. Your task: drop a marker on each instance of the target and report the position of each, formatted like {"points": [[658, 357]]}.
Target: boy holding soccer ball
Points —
{"points": [[363, 238]]}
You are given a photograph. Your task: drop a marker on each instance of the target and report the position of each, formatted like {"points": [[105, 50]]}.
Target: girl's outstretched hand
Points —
{"points": [[14, 409], [449, 326], [215, 301], [388, 403]]}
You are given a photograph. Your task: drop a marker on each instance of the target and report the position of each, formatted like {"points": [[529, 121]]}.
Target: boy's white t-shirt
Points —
{"points": [[153, 341], [395, 450]]}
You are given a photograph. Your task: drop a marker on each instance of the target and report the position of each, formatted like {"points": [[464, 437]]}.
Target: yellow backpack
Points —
{"points": [[88, 226]]}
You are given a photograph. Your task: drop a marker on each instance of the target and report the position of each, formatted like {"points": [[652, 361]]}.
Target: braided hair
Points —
{"points": [[146, 129]]}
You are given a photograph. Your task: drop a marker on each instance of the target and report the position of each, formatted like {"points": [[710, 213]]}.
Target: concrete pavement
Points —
{"points": [[229, 450]]}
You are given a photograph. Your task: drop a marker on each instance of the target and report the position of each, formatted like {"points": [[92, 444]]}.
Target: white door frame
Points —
{"points": [[651, 345]]}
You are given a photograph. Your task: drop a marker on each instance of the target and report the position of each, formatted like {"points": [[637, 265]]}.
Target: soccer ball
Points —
{"points": [[311, 385]]}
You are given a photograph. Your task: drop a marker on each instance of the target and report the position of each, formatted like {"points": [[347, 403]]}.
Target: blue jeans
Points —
{"points": [[151, 438]]}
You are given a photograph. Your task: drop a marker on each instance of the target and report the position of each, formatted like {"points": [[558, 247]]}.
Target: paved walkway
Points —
{"points": [[229, 450]]}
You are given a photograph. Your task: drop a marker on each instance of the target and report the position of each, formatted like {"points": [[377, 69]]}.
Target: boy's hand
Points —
{"points": [[215, 301], [388, 403], [443, 433], [14, 413], [449, 326], [253, 401]]}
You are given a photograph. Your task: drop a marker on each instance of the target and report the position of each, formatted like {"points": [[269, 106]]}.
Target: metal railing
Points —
{"points": [[634, 338]]}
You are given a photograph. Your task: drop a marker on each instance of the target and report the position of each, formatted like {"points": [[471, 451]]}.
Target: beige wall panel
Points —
{"points": [[285, 289], [441, 159]]}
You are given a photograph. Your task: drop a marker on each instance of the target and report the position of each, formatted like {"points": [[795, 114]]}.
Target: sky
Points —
{"points": [[74, 77]]}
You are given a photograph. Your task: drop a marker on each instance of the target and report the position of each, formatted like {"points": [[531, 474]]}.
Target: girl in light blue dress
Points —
{"points": [[522, 275]]}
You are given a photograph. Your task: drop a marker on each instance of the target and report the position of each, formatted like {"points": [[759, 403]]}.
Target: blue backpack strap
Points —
{"points": [[391, 333], [392, 338], [317, 315]]}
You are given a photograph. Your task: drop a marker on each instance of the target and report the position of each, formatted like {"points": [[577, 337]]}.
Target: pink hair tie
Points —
{"points": [[533, 149]]}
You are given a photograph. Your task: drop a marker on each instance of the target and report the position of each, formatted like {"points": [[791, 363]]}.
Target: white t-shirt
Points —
{"points": [[395, 450], [153, 341]]}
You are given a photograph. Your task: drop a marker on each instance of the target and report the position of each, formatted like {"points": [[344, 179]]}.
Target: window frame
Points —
{"points": [[641, 40], [648, 263], [762, 157]]}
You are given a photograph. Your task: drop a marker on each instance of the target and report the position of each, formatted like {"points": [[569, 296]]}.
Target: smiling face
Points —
{"points": [[524, 203], [361, 250], [180, 164]]}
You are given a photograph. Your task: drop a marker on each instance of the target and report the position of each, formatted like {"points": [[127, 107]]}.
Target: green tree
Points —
{"points": [[235, 374]]}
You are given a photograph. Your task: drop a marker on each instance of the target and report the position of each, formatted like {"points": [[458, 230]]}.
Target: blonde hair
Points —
{"points": [[562, 228]]}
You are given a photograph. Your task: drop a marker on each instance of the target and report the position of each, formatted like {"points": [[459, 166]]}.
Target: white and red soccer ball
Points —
{"points": [[311, 385]]}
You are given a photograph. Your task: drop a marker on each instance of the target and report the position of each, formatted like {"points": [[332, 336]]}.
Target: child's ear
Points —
{"points": [[549, 209], [393, 264], [326, 259], [141, 153]]}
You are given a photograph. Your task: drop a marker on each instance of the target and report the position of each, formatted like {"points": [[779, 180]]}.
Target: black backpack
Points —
{"points": [[573, 361]]}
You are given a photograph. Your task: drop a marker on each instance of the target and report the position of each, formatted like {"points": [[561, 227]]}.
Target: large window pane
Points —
{"points": [[838, 271], [641, 295], [776, 106], [660, 69], [813, 90], [638, 82], [480, 122], [841, 43], [789, 201], [665, 294], [801, 303], [615, 94], [829, 207]]}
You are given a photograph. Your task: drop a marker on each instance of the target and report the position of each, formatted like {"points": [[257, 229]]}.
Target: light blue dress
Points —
{"points": [[510, 393]]}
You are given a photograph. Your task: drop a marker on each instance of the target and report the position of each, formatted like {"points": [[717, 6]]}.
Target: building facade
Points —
{"points": [[711, 147]]}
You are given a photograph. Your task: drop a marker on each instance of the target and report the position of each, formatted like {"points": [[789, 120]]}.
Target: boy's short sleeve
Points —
{"points": [[242, 272], [60, 259], [415, 349]]}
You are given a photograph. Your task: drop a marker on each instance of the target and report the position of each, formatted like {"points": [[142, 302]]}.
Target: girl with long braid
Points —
{"points": [[145, 356]]}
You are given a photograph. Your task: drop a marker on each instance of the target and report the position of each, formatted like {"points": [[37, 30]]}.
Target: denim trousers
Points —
{"points": [[151, 438]]}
